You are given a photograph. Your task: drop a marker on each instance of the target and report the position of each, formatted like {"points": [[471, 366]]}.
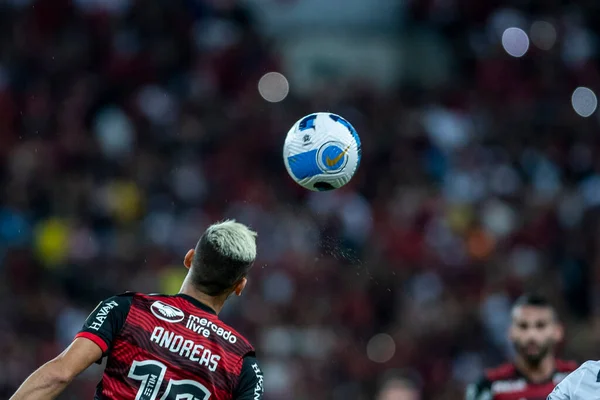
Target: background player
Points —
{"points": [[534, 332], [168, 347]]}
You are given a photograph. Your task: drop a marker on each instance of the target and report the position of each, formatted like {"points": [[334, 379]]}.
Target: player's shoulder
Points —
{"points": [[501, 372], [590, 366], [121, 301], [126, 294], [122, 295], [582, 383], [566, 365]]}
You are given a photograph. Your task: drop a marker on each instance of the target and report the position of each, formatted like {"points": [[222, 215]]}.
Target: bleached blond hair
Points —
{"points": [[234, 240], [224, 254]]}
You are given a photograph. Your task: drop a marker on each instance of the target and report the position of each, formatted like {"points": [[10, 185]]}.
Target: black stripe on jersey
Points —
{"points": [[116, 371], [117, 367], [98, 395]]}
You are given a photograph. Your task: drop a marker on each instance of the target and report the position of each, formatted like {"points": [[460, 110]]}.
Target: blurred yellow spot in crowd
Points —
{"points": [[126, 201], [52, 241], [171, 279], [459, 218]]}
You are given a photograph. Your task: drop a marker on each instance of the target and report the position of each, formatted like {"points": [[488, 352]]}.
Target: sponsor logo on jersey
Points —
{"points": [[102, 314], [204, 327], [509, 386], [258, 389], [166, 312]]}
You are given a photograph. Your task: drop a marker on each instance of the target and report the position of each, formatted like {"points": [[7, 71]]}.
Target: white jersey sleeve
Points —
{"points": [[581, 384]]}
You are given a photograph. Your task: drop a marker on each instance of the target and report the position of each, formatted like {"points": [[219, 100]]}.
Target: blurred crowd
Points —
{"points": [[128, 126]]}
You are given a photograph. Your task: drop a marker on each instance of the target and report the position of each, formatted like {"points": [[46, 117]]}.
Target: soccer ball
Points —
{"points": [[322, 151]]}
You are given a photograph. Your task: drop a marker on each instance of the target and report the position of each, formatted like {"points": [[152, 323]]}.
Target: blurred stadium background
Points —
{"points": [[127, 126]]}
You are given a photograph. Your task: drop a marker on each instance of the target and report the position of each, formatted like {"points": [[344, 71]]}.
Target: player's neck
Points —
{"points": [[216, 303], [538, 373]]}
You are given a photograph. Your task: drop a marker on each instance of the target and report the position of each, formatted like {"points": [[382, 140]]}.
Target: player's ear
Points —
{"points": [[187, 261], [559, 333], [239, 287]]}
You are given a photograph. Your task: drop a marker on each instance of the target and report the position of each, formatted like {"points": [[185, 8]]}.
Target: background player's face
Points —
{"points": [[397, 390], [534, 332]]}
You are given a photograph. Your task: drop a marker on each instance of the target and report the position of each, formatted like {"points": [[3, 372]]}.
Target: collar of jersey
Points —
{"points": [[197, 303], [521, 374]]}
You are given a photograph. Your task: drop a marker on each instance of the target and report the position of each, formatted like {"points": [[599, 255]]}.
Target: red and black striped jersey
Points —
{"points": [[170, 347], [506, 382]]}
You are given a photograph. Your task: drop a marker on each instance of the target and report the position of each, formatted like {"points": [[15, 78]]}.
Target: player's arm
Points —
{"points": [[250, 384], [482, 390], [90, 345], [54, 376]]}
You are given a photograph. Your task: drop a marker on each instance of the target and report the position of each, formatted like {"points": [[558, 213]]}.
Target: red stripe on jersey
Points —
{"points": [[94, 338], [510, 371], [566, 366]]}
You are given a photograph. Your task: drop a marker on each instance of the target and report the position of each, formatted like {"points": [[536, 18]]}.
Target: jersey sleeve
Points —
{"points": [[481, 390], [250, 384], [106, 321], [581, 384]]}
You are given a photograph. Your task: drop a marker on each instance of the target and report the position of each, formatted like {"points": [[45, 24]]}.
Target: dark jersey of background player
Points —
{"points": [[168, 347], [534, 332], [507, 382], [156, 340]]}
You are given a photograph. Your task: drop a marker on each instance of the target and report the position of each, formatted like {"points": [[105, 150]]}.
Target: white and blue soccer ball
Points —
{"points": [[322, 151]]}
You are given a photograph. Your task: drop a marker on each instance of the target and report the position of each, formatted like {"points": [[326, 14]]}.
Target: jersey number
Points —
{"points": [[151, 374]]}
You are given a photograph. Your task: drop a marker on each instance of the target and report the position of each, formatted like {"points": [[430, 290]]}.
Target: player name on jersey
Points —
{"points": [[185, 348]]}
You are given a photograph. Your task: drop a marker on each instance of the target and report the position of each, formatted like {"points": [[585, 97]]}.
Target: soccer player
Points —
{"points": [[168, 347], [582, 384], [535, 331]]}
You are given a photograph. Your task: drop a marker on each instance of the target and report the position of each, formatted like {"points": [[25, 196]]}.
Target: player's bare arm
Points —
{"points": [[53, 377]]}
